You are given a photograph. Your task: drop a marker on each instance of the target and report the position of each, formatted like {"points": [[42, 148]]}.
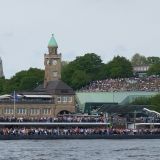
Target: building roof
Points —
{"points": [[55, 87], [121, 98], [52, 42]]}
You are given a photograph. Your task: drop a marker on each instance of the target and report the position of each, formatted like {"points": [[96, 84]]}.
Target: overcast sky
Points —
{"points": [[105, 27]]}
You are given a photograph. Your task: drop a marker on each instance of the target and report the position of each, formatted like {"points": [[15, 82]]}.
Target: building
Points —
{"points": [[140, 70], [93, 101], [47, 100], [1, 68]]}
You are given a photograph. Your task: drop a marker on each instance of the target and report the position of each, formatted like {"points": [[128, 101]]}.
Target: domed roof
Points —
{"points": [[52, 42]]}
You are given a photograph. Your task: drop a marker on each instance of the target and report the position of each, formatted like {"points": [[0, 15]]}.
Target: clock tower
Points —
{"points": [[52, 62]]}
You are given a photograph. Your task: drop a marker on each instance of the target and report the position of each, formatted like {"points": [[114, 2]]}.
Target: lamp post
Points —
{"points": [[135, 119]]}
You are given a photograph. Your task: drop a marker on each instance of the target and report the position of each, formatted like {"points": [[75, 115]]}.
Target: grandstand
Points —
{"points": [[148, 84], [98, 99]]}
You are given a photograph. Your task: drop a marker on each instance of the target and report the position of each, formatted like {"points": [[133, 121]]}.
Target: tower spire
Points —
{"points": [[52, 45], [1, 68], [52, 42]]}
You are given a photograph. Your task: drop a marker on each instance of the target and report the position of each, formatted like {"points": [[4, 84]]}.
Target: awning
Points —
{"points": [[37, 96], [5, 96]]}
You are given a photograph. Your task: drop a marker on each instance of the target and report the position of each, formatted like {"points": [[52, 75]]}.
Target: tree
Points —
{"points": [[90, 63], [2, 83], [142, 101], [67, 72], [28, 83], [79, 79], [88, 66], [155, 102], [138, 60], [153, 60], [152, 102], [120, 67], [104, 72], [23, 80], [154, 69]]}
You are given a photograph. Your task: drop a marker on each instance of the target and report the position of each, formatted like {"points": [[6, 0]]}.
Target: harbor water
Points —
{"points": [[139, 149]]}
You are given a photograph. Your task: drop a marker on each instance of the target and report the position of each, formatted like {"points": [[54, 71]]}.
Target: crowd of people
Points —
{"points": [[67, 118], [75, 131], [151, 83], [84, 119]]}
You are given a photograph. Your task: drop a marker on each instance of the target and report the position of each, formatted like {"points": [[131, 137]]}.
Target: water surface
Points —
{"points": [[80, 150]]}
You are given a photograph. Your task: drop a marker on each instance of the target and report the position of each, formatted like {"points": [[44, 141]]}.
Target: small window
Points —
{"points": [[8, 110], [64, 99], [69, 99], [21, 111], [46, 111], [58, 99], [35, 111]]}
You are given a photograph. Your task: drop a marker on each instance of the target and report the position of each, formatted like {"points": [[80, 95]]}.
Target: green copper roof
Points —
{"points": [[52, 42]]}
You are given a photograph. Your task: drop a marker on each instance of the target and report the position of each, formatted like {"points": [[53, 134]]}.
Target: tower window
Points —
{"points": [[48, 61], [55, 74]]}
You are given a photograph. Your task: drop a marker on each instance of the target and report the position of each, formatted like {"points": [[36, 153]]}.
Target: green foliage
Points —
{"points": [[138, 60], [119, 67], [89, 67], [2, 82], [104, 72], [79, 79], [154, 69], [142, 101], [82, 70], [153, 60], [23, 80], [154, 102]]}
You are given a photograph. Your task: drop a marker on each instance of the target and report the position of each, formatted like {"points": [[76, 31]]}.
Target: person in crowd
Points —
{"points": [[151, 83]]}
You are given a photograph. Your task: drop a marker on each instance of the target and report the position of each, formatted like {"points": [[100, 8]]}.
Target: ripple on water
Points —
{"points": [[80, 149]]}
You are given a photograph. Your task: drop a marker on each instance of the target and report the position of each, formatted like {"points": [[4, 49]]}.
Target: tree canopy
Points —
{"points": [[119, 67], [154, 69], [138, 60], [23, 80], [89, 67], [154, 102], [153, 60], [82, 70]]}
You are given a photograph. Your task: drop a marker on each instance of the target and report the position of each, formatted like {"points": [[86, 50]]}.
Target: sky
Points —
{"points": [[105, 27]]}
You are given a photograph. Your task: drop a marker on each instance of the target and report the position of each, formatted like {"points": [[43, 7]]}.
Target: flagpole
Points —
{"points": [[14, 104]]}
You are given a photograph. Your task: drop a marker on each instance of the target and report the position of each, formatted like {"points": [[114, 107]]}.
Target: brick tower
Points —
{"points": [[52, 62]]}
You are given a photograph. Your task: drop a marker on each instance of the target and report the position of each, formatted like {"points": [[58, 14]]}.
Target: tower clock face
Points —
{"points": [[55, 74], [54, 62]]}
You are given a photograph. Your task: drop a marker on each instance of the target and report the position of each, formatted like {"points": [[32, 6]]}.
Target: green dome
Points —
{"points": [[52, 42]]}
